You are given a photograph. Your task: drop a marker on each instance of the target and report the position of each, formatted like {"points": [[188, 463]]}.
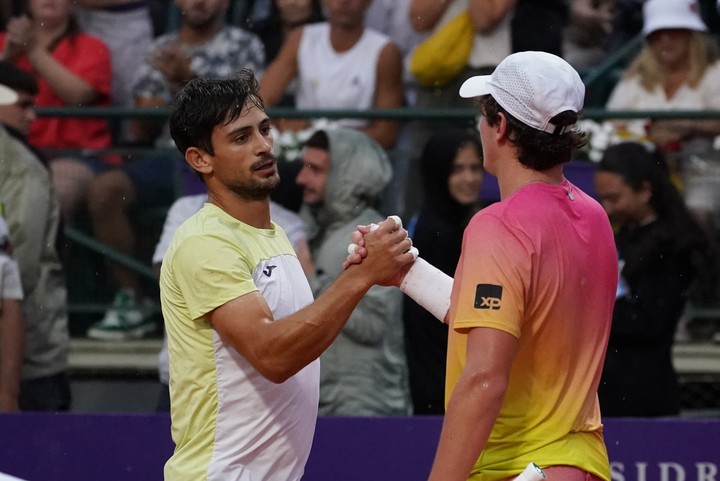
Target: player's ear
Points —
{"points": [[199, 160], [501, 128]]}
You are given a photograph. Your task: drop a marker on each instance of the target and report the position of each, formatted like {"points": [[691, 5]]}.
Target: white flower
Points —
{"points": [[604, 134]]}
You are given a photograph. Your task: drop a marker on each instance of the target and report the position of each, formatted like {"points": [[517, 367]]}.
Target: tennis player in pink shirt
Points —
{"points": [[531, 302]]}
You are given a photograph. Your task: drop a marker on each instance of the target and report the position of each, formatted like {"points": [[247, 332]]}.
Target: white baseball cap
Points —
{"points": [[533, 87], [7, 95], [663, 14]]}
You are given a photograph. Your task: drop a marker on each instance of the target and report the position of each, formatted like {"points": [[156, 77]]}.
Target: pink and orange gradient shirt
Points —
{"points": [[542, 266]]}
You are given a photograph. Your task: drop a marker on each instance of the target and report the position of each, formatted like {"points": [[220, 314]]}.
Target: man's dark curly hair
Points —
{"points": [[537, 150]]}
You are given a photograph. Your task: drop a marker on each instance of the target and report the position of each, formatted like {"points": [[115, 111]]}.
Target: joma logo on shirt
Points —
{"points": [[268, 270], [488, 296]]}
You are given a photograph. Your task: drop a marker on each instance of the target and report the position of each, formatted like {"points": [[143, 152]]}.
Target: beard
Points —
{"points": [[258, 187]]}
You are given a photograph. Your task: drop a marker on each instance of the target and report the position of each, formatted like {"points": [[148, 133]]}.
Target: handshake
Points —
{"points": [[424, 283], [358, 242]]}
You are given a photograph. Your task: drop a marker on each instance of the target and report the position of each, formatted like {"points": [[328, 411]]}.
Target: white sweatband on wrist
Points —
{"points": [[428, 286]]}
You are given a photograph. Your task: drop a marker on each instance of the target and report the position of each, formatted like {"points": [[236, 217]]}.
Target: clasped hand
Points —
{"points": [[21, 37], [362, 247]]}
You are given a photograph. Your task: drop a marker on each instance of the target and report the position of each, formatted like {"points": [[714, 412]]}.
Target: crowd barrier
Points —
{"points": [[115, 447]]}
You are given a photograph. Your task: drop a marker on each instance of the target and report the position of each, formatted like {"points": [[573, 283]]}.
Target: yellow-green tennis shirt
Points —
{"points": [[228, 421]]}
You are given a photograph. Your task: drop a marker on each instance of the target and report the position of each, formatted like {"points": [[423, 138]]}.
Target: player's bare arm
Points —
{"points": [[474, 404], [280, 348]]}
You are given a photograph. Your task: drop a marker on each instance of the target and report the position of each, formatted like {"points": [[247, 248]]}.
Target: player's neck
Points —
{"points": [[515, 176], [255, 213]]}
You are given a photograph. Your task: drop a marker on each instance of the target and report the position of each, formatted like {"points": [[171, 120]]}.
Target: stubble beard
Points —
{"points": [[255, 189]]}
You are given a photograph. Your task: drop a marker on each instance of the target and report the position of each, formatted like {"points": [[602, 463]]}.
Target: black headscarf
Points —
{"points": [[436, 163]]}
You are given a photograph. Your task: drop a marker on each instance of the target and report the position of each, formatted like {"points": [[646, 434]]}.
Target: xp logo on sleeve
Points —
{"points": [[488, 296]]}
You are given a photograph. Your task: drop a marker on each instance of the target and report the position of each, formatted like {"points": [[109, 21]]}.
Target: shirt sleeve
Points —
{"points": [[490, 284], [210, 272]]}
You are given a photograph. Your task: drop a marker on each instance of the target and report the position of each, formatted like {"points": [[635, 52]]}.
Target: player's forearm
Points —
{"points": [[429, 287], [293, 342]]}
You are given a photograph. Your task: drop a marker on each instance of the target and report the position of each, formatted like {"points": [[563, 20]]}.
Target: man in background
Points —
{"points": [[32, 211], [364, 371]]}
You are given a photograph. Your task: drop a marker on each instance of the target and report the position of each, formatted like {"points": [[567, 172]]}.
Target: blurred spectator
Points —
{"points": [[285, 15], [663, 253], [586, 36], [491, 44], [452, 173], [73, 69], [126, 28], [12, 326], [363, 372], [392, 18], [677, 69], [204, 46], [32, 211], [339, 64]]}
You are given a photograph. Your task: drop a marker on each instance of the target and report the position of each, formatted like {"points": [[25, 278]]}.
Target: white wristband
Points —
{"points": [[532, 473], [428, 286]]}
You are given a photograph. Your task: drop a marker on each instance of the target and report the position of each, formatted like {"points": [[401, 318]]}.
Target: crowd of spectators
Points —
{"points": [[317, 54]]}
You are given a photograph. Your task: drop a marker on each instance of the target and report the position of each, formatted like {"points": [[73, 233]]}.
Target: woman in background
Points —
{"points": [[677, 69], [451, 169], [73, 70], [663, 253]]}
